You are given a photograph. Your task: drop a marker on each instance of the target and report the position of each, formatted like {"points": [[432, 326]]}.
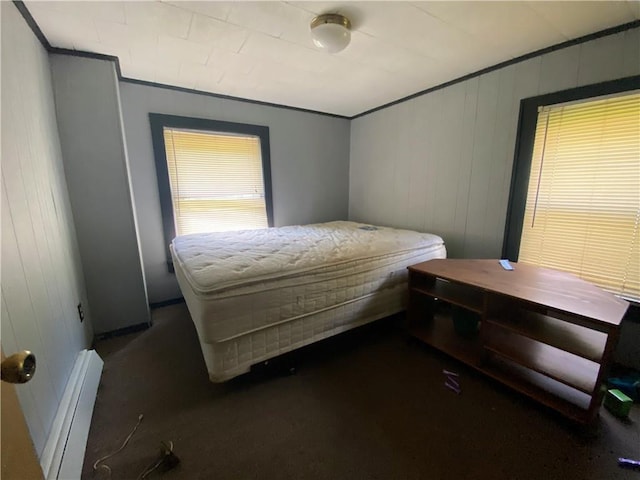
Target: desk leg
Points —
{"points": [[605, 365]]}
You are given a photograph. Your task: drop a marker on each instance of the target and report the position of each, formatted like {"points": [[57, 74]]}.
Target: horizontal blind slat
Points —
{"points": [[216, 181], [584, 189]]}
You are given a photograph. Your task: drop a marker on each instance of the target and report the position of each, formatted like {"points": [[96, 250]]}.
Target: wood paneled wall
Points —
{"points": [[42, 279], [441, 162], [96, 169]]}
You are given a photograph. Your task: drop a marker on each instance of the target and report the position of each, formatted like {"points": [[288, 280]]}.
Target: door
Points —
{"points": [[42, 280], [19, 459]]}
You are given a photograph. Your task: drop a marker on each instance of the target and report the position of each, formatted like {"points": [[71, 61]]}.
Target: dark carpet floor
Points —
{"points": [[369, 404]]}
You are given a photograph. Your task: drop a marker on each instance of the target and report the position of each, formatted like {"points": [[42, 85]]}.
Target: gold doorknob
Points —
{"points": [[19, 367]]}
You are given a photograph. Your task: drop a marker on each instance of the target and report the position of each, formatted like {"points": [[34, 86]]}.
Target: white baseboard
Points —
{"points": [[64, 450]]}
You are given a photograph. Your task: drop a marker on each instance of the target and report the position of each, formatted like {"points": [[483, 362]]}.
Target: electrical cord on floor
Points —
{"points": [[167, 461], [124, 444]]}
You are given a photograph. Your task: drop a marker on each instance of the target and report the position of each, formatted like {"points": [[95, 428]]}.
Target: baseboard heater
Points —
{"points": [[63, 453]]}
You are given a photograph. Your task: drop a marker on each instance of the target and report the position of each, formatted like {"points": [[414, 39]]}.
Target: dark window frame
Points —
{"points": [[159, 121], [524, 150]]}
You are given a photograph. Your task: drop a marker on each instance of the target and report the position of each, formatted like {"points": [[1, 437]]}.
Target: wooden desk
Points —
{"points": [[545, 333]]}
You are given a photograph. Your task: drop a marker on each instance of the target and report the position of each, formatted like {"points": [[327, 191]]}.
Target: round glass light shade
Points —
{"points": [[331, 32]]}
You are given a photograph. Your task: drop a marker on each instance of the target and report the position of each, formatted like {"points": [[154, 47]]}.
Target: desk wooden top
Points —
{"points": [[550, 288]]}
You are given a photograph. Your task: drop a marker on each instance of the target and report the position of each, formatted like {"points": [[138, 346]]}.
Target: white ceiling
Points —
{"points": [[263, 51]]}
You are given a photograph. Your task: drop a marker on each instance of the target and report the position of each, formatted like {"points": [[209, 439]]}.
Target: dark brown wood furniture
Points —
{"points": [[545, 333]]}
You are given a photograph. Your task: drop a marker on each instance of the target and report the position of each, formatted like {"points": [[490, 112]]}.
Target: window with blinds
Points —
{"points": [[216, 181], [582, 210]]}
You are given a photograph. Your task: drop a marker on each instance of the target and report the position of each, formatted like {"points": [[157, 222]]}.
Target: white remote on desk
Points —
{"points": [[506, 265]]}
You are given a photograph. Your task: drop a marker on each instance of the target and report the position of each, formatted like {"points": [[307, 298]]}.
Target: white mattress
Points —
{"points": [[214, 262], [325, 278]]}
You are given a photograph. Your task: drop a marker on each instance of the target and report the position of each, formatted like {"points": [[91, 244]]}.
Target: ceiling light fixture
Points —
{"points": [[331, 32]]}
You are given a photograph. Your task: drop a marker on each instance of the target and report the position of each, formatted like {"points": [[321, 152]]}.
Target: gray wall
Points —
{"points": [[628, 351], [442, 162], [309, 165], [95, 164], [42, 280]]}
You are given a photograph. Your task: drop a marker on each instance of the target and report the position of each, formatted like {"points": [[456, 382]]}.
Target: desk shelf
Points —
{"points": [[454, 293], [556, 364], [536, 334], [575, 339], [558, 396], [440, 334]]}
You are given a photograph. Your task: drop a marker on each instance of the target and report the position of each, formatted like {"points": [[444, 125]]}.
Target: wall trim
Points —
{"points": [[63, 453], [166, 303], [569, 43], [123, 331], [92, 55], [22, 8], [63, 51], [222, 96], [24, 11]]}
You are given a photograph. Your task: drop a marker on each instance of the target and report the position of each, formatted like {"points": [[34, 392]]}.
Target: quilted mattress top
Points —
{"points": [[220, 260]]}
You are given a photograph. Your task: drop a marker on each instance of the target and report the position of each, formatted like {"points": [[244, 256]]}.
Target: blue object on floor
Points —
{"points": [[629, 385]]}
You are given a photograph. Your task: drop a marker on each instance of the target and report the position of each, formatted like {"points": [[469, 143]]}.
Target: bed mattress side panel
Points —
{"points": [[243, 311]]}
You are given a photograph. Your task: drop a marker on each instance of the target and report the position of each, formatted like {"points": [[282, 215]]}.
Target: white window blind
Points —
{"points": [[583, 201], [216, 181]]}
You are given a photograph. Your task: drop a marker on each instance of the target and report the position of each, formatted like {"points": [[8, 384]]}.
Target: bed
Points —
{"points": [[256, 294]]}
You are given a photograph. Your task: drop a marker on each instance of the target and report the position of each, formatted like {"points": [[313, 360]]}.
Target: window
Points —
{"points": [[575, 204], [212, 175]]}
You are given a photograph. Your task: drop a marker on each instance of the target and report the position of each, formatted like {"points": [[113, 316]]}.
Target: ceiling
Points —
{"points": [[263, 51]]}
